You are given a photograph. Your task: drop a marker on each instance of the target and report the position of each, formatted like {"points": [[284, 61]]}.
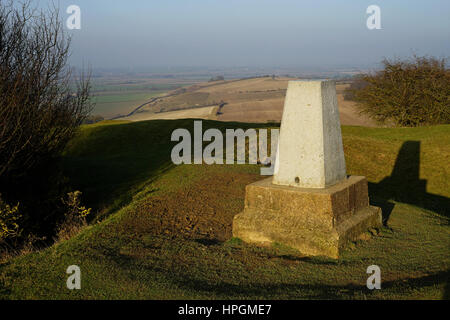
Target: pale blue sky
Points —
{"points": [[267, 33]]}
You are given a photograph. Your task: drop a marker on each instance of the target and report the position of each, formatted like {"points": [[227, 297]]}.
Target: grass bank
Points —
{"points": [[164, 232]]}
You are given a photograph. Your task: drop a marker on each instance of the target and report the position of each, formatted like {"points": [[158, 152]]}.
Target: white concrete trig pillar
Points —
{"points": [[310, 152]]}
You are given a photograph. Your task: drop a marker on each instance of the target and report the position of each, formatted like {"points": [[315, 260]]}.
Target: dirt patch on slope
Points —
{"points": [[203, 210]]}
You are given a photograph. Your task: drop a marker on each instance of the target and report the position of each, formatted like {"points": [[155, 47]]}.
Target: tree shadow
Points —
{"points": [[404, 185]]}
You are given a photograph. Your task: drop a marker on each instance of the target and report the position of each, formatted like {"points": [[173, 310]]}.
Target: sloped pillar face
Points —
{"points": [[310, 153]]}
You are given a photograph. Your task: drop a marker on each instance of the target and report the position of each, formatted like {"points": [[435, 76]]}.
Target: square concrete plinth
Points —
{"points": [[313, 221]]}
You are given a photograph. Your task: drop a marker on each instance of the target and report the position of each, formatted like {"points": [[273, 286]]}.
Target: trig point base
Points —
{"points": [[313, 221]]}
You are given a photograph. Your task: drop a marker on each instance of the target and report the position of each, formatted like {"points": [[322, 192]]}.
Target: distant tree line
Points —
{"points": [[217, 78]]}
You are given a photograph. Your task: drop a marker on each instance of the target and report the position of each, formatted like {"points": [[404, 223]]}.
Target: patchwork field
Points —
{"points": [[113, 104], [118, 96], [258, 100], [160, 231]]}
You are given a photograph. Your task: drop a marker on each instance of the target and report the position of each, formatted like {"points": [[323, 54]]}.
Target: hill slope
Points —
{"points": [[166, 232]]}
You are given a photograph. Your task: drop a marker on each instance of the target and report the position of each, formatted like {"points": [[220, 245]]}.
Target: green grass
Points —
{"points": [[122, 102], [125, 172], [119, 96]]}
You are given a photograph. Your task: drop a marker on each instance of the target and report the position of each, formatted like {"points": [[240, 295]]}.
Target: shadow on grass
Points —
{"points": [[404, 185], [209, 242], [316, 291], [447, 289], [111, 163], [3, 290]]}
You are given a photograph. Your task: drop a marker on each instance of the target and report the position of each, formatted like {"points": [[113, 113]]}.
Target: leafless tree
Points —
{"points": [[42, 103]]}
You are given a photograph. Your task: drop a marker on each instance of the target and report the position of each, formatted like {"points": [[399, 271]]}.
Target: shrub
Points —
{"points": [[75, 218], [9, 216], [405, 93]]}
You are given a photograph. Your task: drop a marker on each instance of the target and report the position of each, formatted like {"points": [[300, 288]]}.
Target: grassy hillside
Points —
{"points": [[164, 232]]}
